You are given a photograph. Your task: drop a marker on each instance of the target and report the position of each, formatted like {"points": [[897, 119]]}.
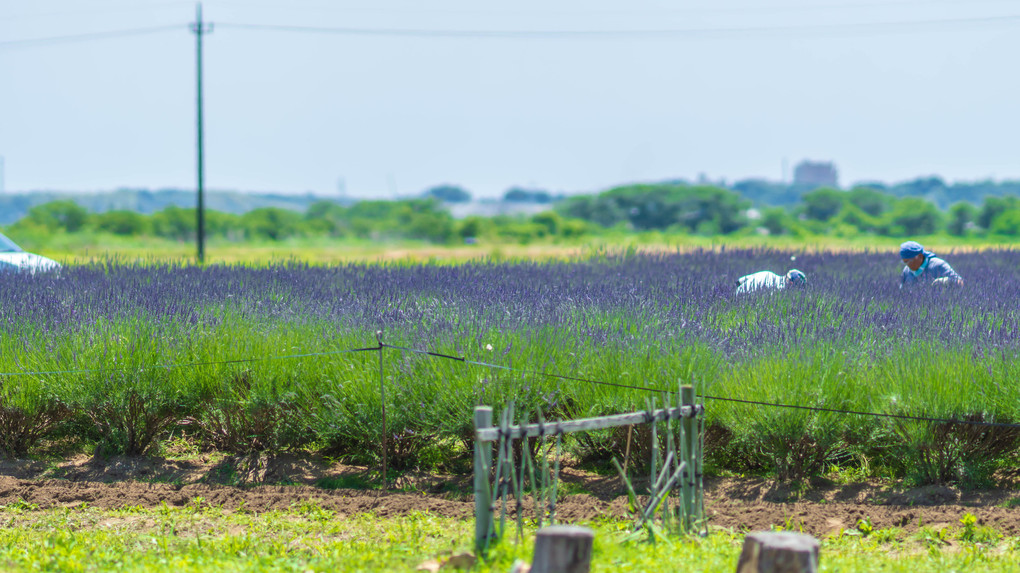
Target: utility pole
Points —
{"points": [[199, 29]]}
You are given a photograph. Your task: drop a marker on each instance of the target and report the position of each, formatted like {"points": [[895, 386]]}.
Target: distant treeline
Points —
{"points": [[15, 206], [668, 208], [706, 210], [933, 189], [413, 219]]}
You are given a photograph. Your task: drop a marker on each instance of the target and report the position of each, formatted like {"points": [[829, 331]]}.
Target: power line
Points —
{"points": [[90, 36], [104, 11], [904, 25], [595, 11]]}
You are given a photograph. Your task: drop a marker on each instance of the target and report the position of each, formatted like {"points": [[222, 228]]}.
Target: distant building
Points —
{"points": [[816, 174]]}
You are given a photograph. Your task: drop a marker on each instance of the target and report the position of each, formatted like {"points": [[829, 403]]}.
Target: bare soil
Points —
{"points": [[263, 483]]}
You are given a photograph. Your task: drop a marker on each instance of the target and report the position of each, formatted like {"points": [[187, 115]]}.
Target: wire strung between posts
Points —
{"points": [[464, 360], [859, 413], [737, 400], [190, 364], [523, 371]]}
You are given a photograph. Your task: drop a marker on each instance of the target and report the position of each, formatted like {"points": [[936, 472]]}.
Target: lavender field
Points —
{"points": [[123, 357]]}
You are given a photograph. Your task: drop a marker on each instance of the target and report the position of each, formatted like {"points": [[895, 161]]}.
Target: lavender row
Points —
{"points": [[665, 299]]}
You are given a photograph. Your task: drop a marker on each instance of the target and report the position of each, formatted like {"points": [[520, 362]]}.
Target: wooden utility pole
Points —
{"points": [[199, 29]]}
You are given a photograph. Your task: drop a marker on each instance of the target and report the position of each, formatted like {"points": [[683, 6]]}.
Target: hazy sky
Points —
{"points": [[652, 90]]}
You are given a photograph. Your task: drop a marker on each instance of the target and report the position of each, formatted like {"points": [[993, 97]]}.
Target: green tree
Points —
{"points": [[574, 228], [65, 215], [822, 204], [776, 220], [516, 229], [121, 223], [471, 227], [325, 218], [961, 216], [913, 216], [270, 223], [550, 220], [857, 218], [1007, 223], [448, 194], [519, 195], [594, 208], [662, 206], [870, 201], [993, 207], [174, 223], [221, 224], [424, 219]]}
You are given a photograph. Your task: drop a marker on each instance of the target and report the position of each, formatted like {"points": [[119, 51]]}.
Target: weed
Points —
{"points": [[972, 532], [888, 535], [20, 506], [865, 526]]}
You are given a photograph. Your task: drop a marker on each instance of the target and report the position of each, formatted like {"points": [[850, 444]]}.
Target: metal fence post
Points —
{"points": [[483, 493], [689, 441]]}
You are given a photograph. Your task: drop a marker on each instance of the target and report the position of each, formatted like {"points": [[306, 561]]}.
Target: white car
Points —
{"points": [[14, 258]]}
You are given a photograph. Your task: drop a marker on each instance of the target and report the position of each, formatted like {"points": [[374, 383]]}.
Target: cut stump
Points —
{"points": [[563, 549], [778, 552]]}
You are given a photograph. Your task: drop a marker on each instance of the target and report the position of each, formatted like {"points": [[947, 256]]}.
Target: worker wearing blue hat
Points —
{"points": [[923, 267]]}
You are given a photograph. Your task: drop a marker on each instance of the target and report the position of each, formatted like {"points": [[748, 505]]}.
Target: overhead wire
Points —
{"points": [[71, 38], [658, 11], [914, 25], [664, 33], [99, 11]]}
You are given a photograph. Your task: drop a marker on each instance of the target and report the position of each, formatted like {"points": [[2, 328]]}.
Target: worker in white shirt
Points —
{"points": [[770, 281]]}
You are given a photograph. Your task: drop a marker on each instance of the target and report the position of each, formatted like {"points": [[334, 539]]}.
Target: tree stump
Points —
{"points": [[778, 552], [563, 549]]}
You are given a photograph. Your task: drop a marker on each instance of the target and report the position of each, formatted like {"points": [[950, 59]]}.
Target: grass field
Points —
{"points": [[125, 352], [305, 538]]}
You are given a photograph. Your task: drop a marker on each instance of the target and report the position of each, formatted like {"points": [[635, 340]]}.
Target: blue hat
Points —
{"points": [[910, 249], [796, 277]]}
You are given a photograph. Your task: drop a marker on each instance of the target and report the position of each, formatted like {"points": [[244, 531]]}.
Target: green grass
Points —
{"points": [[198, 537]]}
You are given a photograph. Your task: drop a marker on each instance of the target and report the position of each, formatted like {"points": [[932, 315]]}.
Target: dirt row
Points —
{"points": [[820, 508]]}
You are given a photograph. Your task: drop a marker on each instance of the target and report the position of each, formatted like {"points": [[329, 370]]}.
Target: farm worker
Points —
{"points": [[924, 267], [768, 280]]}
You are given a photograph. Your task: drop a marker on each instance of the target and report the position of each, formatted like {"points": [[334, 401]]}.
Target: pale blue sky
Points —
{"points": [[728, 88]]}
